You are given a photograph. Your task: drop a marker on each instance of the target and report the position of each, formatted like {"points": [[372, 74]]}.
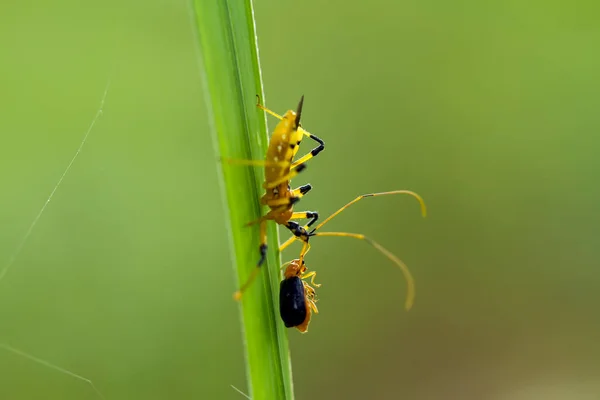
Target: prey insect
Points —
{"points": [[297, 297], [286, 311], [280, 168]]}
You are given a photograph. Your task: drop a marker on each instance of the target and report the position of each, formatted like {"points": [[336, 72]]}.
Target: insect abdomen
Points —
{"points": [[292, 302]]}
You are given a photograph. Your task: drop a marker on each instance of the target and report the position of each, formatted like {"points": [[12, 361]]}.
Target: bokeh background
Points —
{"points": [[487, 109]]}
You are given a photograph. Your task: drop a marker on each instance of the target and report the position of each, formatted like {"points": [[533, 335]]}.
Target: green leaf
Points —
{"points": [[231, 71]]}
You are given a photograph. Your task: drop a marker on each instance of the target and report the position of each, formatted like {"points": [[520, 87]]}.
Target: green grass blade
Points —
{"points": [[231, 72]]}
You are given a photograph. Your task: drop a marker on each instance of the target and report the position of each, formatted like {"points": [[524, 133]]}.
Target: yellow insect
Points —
{"points": [[280, 168]]}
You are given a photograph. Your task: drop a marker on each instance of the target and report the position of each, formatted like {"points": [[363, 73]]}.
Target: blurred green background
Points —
{"points": [[489, 110]]}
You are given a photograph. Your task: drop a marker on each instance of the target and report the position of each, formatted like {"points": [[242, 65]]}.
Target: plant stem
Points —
{"points": [[232, 79]]}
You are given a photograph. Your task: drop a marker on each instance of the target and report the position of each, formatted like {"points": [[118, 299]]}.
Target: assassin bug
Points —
{"points": [[280, 168], [296, 297], [305, 235]]}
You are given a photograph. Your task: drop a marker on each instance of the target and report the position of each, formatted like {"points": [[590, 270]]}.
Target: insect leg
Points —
{"points": [[302, 190], [287, 243], [304, 252], [263, 243], [312, 276], [257, 163], [413, 194], [265, 217], [406, 272], [265, 109], [410, 282], [312, 215], [310, 296], [284, 178], [312, 153], [263, 253], [298, 230], [313, 306]]}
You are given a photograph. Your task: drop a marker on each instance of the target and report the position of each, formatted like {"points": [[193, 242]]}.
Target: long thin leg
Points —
{"points": [[411, 193], [312, 215], [288, 242], [298, 110], [406, 272], [313, 152], [263, 243], [263, 253], [257, 163], [304, 251], [410, 282], [284, 178], [265, 109]]}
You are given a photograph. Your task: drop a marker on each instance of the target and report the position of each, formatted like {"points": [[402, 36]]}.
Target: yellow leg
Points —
{"points": [[413, 194], [301, 191], [311, 302], [265, 109], [312, 153], [257, 163], [287, 243], [301, 161], [312, 215], [305, 250], [410, 295], [312, 276], [263, 253], [410, 282], [265, 217], [287, 177], [300, 215], [298, 110], [313, 306]]}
